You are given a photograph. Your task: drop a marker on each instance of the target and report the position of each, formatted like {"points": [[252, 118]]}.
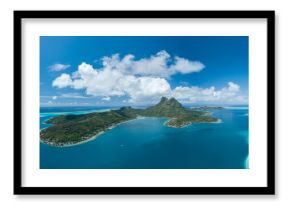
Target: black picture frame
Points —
{"points": [[269, 189]]}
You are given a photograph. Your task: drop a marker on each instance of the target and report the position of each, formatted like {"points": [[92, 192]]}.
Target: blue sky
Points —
{"points": [[139, 70]]}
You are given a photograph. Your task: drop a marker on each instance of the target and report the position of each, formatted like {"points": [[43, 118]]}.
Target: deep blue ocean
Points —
{"points": [[147, 144]]}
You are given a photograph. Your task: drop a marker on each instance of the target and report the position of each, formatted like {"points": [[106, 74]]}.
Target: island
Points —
{"points": [[208, 108], [73, 129]]}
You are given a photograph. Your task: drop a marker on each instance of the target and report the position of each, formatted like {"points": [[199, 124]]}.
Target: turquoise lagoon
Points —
{"points": [[145, 143]]}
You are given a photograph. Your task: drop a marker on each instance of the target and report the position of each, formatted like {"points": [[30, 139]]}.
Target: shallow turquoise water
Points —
{"points": [[147, 144]]}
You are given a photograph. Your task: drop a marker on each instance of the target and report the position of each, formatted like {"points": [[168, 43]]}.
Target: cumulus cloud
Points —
{"points": [[156, 65], [233, 87], [58, 67], [229, 94], [54, 97], [144, 80], [159, 65], [64, 80], [108, 82]]}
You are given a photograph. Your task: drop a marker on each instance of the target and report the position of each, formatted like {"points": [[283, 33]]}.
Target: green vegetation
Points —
{"points": [[72, 129]]}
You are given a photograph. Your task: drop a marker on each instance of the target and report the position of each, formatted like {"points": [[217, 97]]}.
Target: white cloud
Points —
{"points": [[54, 97], [106, 99], [72, 95], [185, 66], [112, 82], [233, 87], [159, 65], [147, 89], [58, 67], [144, 80], [156, 65], [194, 94], [64, 80]]}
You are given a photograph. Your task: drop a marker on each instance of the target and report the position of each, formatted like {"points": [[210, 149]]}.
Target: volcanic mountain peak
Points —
{"points": [[172, 102]]}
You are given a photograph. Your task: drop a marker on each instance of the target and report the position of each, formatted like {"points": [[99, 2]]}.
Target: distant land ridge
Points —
{"points": [[73, 129]]}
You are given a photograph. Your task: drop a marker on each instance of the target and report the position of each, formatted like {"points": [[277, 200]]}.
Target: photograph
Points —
{"points": [[144, 102]]}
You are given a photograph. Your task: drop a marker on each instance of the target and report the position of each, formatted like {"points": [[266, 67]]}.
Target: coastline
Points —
{"points": [[74, 144], [112, 127], [218, 121], [83, 139], [91, 138], [165, 123]]}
